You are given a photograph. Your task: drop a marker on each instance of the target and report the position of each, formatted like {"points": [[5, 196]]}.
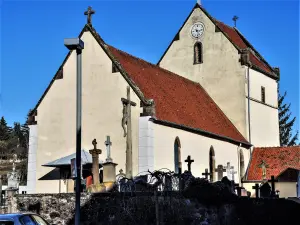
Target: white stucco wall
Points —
{"points": [[263, 117], [221, 73], [146, 145], [287, 189], [197, 147], [102, 91], [32, 158]]}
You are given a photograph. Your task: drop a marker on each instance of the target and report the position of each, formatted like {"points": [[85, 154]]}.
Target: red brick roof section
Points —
{"points": [[278, 159], [177, 100], [235, 37]]}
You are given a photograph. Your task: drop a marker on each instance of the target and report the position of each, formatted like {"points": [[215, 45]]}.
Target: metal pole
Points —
{"points": [[78, 137]]}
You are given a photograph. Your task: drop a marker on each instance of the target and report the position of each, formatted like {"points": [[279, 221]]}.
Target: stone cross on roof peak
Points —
{"points": [[89, 14]]}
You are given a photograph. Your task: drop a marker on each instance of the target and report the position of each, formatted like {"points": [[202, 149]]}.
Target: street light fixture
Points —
{"points": [[77, 44]]}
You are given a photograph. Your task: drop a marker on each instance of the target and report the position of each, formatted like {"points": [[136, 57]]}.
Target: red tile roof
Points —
{"points": [[239, 41], [177, 99], [278, 160]]}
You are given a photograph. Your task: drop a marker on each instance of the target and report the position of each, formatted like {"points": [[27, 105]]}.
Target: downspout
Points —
{"points": [[248, 80], [239, 164]]}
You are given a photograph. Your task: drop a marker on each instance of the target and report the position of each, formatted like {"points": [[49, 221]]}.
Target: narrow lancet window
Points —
{"points": [[198, 53]]}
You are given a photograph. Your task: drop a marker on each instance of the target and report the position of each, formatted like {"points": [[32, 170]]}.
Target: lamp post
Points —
{"points": [[77, 44]]}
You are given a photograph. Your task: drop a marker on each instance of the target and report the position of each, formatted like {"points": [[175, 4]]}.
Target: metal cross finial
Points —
{"points": [[235, 18], [94, 143], [206, 174], [89, 14]]}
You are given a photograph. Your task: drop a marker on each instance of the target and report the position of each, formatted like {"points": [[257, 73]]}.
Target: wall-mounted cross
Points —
{"points": [[256, 188], [89, 14], [189, 162]]}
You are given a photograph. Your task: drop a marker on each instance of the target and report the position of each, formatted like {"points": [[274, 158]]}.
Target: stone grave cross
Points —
{"points": [[89, 14], [189, 162], [232, 172], [228, 170], [220, 171], [126, 120], [108, 143]]}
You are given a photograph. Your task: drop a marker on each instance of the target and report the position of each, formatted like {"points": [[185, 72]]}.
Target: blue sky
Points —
{"points": [[32, 34]]}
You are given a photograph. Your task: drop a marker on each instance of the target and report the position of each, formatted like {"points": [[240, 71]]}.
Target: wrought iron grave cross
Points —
{"points": [[189, 162], [206, 174], [256, 188], [89, 14], [273, 180]]}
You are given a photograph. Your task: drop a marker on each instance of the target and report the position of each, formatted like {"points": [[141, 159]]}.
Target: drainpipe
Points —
{"points": [[239, 163], [248, 79]]}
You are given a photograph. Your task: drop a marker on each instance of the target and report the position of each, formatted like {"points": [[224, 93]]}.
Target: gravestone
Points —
{"points": [[265, 190], [220, 172]]}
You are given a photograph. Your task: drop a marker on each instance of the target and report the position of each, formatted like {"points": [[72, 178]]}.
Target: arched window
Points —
{"points": [[198, 53], [242, 164], [177, 155], [212, 164]]}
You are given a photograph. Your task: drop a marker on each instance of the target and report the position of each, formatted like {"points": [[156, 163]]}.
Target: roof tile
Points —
{"points": [[177, 99], [278, 160]]}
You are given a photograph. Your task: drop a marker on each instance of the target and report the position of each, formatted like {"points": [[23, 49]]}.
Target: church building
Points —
{"points": [[211, 96]]}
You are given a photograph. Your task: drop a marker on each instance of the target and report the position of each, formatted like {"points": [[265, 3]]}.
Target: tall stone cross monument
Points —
{"points": [[95, 168], [126, 121]]}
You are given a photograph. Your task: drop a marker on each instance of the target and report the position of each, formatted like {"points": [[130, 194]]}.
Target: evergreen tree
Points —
{"points": [[5, 131], [286, 123]]}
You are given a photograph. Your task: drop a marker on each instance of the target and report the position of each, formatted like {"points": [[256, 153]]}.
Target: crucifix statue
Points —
{"points": [[89, 14], [189, 162], [108, 144], [264, 167], [220, 171], [126, 120]]}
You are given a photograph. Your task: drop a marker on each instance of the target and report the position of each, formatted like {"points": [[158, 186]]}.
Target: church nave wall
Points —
{"points": [[195, 145]]}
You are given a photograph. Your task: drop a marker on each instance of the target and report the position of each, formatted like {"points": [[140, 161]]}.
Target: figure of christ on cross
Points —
{"points": [[126, 120]]}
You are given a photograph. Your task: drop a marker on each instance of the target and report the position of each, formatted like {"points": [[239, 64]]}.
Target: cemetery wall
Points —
{"points": [[144, 209]]}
